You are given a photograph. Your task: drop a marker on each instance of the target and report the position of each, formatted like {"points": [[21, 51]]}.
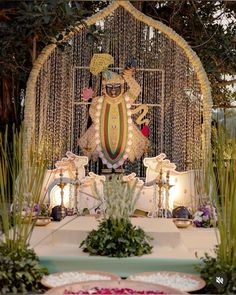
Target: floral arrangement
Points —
{"points": [[34, 210], [205, 216], [41, 210], [123, 291]]}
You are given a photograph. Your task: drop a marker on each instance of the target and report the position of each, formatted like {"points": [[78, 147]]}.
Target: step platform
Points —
{"points": [[174, 249]]}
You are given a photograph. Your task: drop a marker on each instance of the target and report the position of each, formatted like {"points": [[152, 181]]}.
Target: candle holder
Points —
{"points": [[167, 187], [62, 184], [160, 183], [157, 212], [76, 184], [162, 208]]}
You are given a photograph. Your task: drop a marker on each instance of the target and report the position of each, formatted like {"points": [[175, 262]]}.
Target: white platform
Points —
{"points": [[63, 238]]}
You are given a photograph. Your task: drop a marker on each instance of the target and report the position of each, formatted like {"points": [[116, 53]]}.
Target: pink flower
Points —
{"points": [[145, 130], [87, 93], [108, 291]]}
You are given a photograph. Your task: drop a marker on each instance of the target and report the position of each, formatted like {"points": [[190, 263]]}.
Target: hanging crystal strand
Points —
{"points": [[181, 156], [177, 113], [56, 109], [62, 101], [70, 105], [167, 94], [51, 109], [66, 101], [166, 107], [76, 61], [39, 107], [74, 49], [151, 98], [159, 126], [154, 119], [181, 153], [37, 103], [75, 53], [157, 114], [120, 32], [80, 112], [188, 129], [42, 88], [111, 24], [128, 38], [196, 128], [58, 105], [191, 136]]}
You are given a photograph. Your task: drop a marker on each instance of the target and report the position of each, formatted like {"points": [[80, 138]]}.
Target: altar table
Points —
{"points": [[174, 249]]}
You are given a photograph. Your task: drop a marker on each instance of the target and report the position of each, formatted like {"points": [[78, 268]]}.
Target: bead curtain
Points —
{"points": [[169, 83]]}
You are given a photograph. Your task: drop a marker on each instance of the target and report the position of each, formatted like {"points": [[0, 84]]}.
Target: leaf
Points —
{"points": [[22, 271], [116, 238]]}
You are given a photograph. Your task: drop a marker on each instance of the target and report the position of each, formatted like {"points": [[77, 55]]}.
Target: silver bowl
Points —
{"points": [[182, 222]]}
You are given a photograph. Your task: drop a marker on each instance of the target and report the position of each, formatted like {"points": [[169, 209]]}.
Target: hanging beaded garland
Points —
{"points": [[169, 83]]}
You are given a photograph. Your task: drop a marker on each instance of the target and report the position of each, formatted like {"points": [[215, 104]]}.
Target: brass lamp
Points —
{"points": [[62, 184]]}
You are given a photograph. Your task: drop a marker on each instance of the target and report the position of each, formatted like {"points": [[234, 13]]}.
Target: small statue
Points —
{"points": [[113, 136]]}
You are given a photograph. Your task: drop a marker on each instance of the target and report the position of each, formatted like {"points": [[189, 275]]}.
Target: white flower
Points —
{"points": [[198, 214], [197, 218], [205, 218]]}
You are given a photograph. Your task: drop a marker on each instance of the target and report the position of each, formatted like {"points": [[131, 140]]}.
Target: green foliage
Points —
{"points": [[117, 238], [44, 211], [21, 182], [32, 24], [20, 271], [220, 185], [26, 28], [119, 197], [212, 265]]}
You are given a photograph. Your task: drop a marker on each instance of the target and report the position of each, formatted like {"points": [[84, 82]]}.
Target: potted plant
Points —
{"points": [[220, 185], [116, 236], [20, 186]]}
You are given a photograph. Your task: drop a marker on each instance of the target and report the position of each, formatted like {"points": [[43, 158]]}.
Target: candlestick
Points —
{"points": [[61, 184]]}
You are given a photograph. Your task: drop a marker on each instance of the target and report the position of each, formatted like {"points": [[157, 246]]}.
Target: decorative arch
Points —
{"points": [[54, 86]]}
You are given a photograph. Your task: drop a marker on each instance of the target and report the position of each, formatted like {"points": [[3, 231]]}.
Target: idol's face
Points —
{"points": [[113, 90]]}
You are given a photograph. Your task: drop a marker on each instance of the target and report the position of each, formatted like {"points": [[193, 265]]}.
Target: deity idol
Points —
{"points": [[113, 136]]}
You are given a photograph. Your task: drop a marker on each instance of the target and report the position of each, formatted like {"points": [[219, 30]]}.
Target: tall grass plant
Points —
{"points": [[220, 185], [21, 182], [20, 187]]}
